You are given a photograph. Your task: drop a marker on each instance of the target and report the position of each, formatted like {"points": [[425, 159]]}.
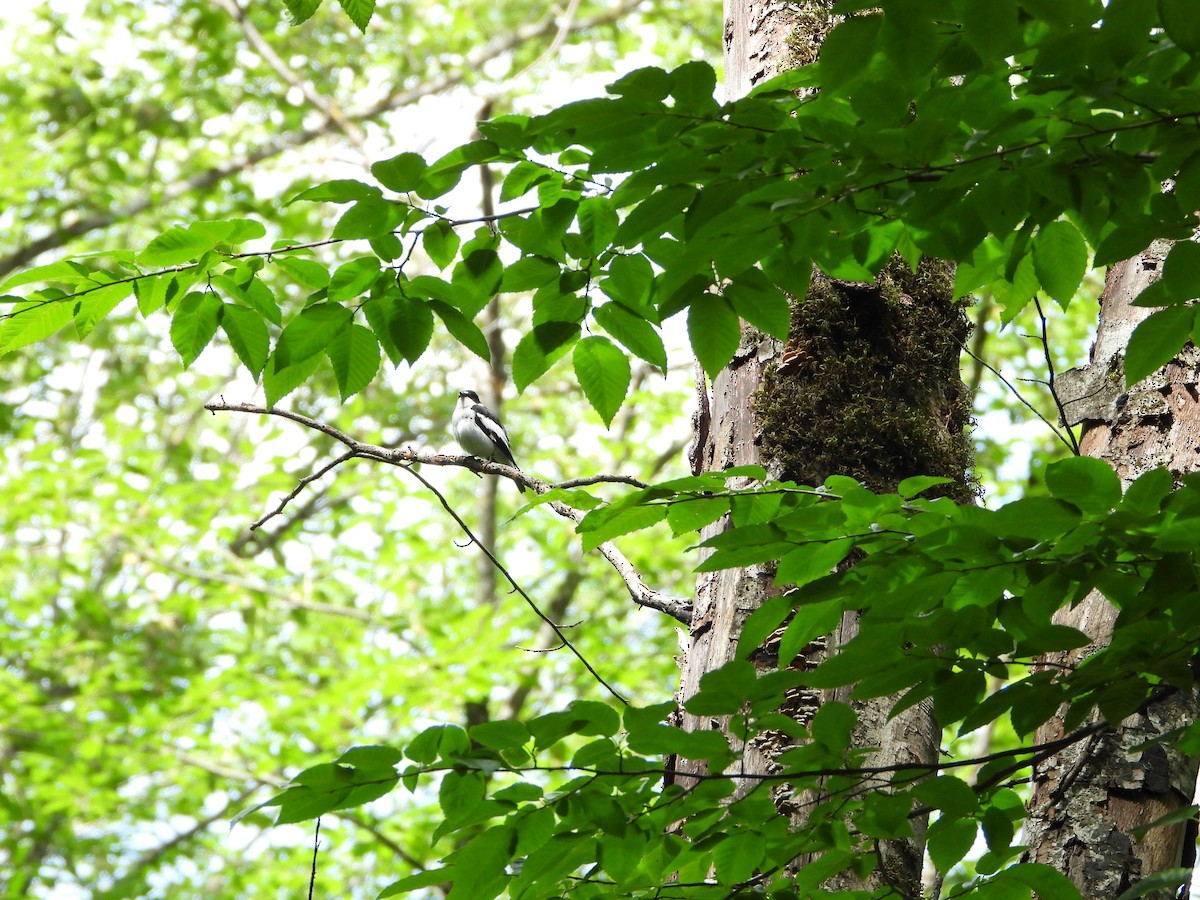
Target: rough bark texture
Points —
{"points": [[1087, 799], [894, 354]]}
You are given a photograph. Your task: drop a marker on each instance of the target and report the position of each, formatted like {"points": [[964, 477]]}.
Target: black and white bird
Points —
{"points": [[478, 431]]}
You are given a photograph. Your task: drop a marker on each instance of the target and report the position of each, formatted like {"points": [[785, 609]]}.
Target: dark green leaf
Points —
{"points": [[1156, 340], [342, 190], [1060, 259], [1085, 482], [359, 11], [539, 349], [463, 329], [950, 839], [441, 242]]}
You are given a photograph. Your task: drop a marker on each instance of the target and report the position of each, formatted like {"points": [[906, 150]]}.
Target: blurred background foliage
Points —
{"points": [[163, 665]]}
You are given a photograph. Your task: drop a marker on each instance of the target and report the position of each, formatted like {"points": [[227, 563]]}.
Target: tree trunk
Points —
{"points": [[1088, 799], [897, 408]]}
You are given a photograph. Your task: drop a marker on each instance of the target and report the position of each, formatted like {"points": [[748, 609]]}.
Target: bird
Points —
{"points": [[478, 431]]}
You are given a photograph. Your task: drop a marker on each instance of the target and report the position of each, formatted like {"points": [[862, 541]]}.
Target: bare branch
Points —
{"points": [[404, 460]]}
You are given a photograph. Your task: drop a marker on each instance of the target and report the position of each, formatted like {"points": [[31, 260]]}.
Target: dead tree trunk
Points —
{"points": [[1088, 799]]}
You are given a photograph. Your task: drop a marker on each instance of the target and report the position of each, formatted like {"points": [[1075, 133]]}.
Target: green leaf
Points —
{"points": [[310, 333], [951, 795], [247, 333], [1167, 878], [737, 857], [604, 374], [32, 321], [603, 525], [96, 304], [354, 355], [175, 246], [634, 332], [441, 242], [528, 274], [833, 725], [539, 349], [428, 878], [353, 278], [359, 11], [1060, 259], [368, 218], [811, 621], [486, 857], [597, 225], [714, 331], [371, 756], [949, 841], [1085, 482], [300, 11], [1181, 24], [760, 303], [811, 561], [410, 326], [500, 735], [400, 173], [1156, 340], [1048, 882], [278, 384], [194, 324], [462, 329], [340, 190], [308, 272]]}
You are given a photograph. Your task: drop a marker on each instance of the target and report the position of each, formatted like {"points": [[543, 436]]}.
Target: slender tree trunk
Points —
{"points": [[1088, 799]]}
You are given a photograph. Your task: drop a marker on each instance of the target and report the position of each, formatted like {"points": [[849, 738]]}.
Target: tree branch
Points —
{"points": [[393, 100]]}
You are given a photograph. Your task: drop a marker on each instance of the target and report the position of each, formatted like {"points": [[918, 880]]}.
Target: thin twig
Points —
{"points": [[1062, 413], [558, 632], [404, 459], [312, 878], [1016, 393], [676, 607]]}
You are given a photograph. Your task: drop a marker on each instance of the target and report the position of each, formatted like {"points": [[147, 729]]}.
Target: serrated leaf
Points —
{"points": [[410, 327], [760, 303], [194, 323], [462, 329], [950, 840], [597, 225], [1085, 482], [310, 333], [604, 374], [441, 242], [308, 272], [278, 384], [714, 331], [1060, 259], [1048, 882], [353, 278], [811, 561], [354, 354], [247, 335], [96, 304], [339, 190], [176, 246], [539, 349], [300, 11], [369, 218], [359, 11], [32, 321], [401, 173], [1156, 340]]}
